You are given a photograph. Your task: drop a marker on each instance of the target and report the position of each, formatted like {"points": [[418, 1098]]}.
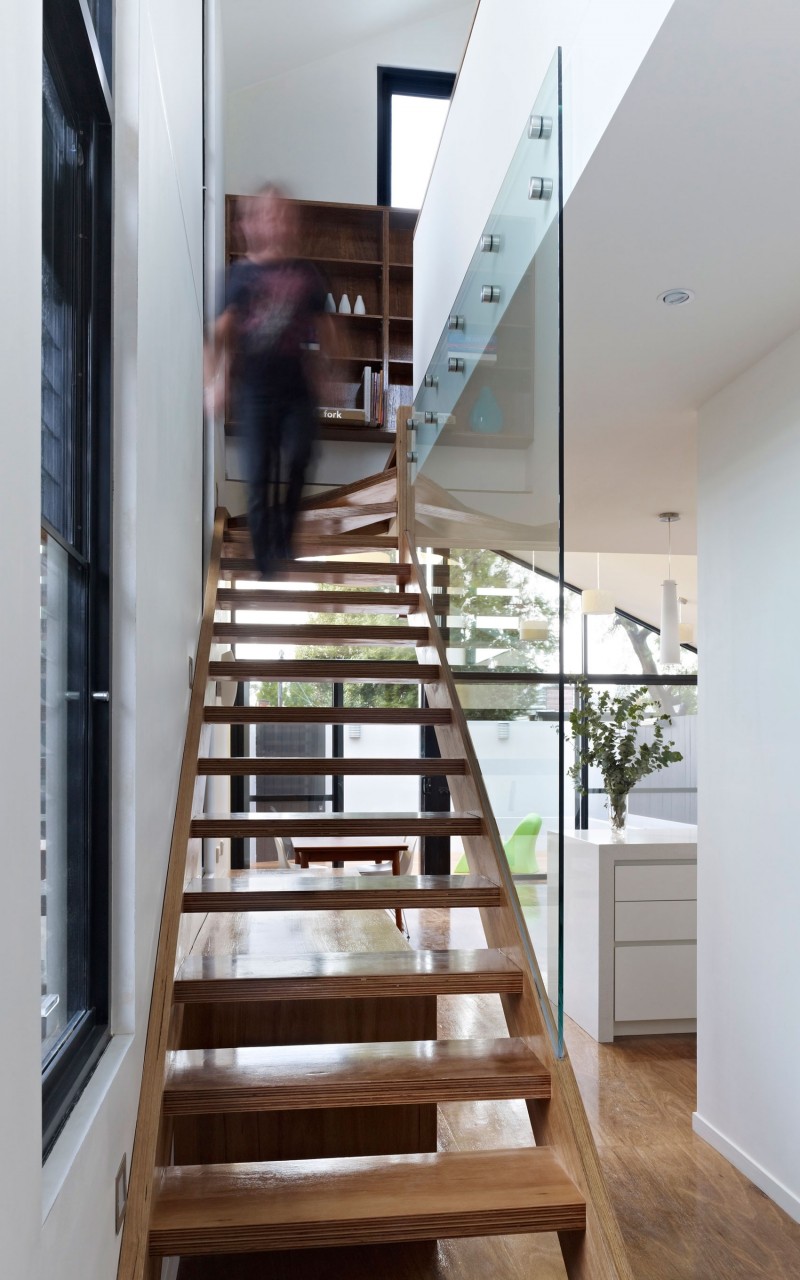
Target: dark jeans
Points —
{"points": [[279, 437]]}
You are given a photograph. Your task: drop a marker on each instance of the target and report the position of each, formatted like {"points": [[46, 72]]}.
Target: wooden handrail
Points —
{"points": [[133, 1259], [599, 1253]]}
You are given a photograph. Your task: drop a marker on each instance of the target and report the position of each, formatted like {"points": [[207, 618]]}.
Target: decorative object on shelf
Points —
{"points": [[606, 733], [359, 309], [670, 652], [344, 306], [487, 415], [330, 305], [594, 600]]}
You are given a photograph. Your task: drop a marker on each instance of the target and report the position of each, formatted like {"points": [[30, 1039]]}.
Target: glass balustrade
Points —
{"points": [[485, 470], [487, 478]]}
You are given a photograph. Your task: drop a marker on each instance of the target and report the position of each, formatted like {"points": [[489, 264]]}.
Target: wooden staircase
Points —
{"points": [[244, 1050]]}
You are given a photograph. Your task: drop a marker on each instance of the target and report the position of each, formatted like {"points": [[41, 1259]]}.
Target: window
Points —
{"points": [[74, 563], [412, 106]]}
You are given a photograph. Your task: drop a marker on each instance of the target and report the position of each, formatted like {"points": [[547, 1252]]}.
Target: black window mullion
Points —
{"points": [[411, 84], [76, 533]]}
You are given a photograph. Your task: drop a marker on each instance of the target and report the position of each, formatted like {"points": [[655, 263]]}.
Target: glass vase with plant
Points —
{"points": [[606, 729]]}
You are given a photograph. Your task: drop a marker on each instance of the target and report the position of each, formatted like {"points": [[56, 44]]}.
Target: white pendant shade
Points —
{"points": [[670, 646], [534, 629], [594, 601]]}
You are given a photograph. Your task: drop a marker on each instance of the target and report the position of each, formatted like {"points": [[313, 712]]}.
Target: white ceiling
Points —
{"points": [[696, 183], [263, 39]]}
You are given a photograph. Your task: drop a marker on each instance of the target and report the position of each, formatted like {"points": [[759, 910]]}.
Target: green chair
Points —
{"points": [[520, 848]]}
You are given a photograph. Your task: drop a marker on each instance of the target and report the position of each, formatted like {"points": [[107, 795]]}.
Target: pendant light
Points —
{"points": [[670, 646], [535, 627], [595, 600]]}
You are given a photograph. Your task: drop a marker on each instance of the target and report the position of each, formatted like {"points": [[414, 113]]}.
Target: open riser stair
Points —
{"points": [[293, 1069]]}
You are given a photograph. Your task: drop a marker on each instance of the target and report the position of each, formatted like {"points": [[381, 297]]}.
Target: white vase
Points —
{"points": [[330, 305], [359, 309], [344, 305]]}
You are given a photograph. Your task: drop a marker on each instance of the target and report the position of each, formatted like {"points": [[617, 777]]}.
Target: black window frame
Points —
{"points": [[410, 83], [77, 67]]}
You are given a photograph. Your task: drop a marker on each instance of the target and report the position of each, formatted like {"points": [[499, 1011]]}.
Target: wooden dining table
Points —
{"points": [[342, 849]]}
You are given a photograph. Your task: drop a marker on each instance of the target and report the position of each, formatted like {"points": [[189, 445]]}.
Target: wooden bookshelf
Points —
{"points": [[358, 249]]}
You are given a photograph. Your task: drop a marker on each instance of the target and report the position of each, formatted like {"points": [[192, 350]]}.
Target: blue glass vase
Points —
{"points": [[486, 415]]}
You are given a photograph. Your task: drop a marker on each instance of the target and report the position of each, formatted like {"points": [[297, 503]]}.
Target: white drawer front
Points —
{"points": [[655, 921], [655, 982], [668, 881]]}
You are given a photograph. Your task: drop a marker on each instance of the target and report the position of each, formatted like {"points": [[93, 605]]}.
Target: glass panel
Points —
{"points": [[500, 615], [60, 285], [101, 11], [514, 729], [487, 507], [63, 774], [417, 125], [616, 645]]}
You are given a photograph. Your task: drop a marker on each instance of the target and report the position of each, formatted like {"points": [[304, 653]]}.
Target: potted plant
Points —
{"points": [[606, 732]]}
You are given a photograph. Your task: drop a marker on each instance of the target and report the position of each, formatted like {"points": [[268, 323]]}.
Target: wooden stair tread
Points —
{"points": [[398, 602], [344, 974], [327, 715], [321, 766], [336, 669], [290, 891], [319, 633], [344, 572], [289, 1077], [338, 824], [339, 541], [298, 1203]]}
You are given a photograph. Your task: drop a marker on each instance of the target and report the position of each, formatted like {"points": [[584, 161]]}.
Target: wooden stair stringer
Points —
{"points": [[150, 1141], [570, 1169], [560, 1123]]}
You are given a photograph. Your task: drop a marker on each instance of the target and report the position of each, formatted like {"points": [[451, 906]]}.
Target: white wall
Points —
{"points": [[511, 48], [748, 1105], [20, 270], [60, 1221], [315, 127], [382, 794], [214, 449]]}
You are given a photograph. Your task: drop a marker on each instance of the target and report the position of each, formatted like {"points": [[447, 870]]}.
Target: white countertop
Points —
{"points": [[683, 834]]}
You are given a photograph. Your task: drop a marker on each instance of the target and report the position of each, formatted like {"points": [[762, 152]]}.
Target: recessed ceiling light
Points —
{"points": [[676, 297]]}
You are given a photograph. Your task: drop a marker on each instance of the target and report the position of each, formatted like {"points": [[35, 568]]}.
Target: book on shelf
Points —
{"points": [[364, 395], [331, 414], [369, 407]]}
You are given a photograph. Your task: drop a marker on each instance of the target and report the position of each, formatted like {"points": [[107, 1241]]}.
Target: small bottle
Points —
{"points": [[359, 309], [344, 306], [330, 305]]}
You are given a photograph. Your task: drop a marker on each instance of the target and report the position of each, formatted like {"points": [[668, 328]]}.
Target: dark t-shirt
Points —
{"points": [[275, 305]]}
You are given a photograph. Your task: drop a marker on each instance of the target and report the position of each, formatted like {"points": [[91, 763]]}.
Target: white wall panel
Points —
{"points": [[315, 127], [20, 330], [512, 46], [748, 1103]]}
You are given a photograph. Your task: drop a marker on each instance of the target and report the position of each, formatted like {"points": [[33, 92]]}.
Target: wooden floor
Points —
{"points": [[686, 1214]]}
